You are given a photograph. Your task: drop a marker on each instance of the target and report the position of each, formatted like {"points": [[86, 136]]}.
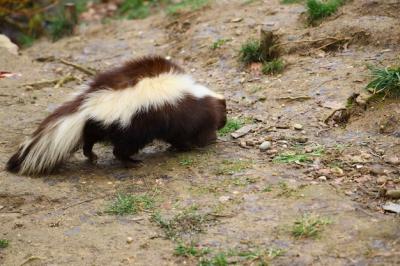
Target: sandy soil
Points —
{"points": [[248, 201]]}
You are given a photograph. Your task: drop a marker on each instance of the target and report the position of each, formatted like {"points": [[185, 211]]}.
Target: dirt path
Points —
{"points": [[230, 198]]}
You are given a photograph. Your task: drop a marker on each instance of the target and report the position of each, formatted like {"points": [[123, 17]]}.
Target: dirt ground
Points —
{"points": [[247, 200]]}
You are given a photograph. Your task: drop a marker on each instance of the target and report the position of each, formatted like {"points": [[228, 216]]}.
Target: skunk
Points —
{"points": [[129, 106]]}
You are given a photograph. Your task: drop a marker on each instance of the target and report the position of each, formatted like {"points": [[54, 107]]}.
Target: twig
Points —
{"points": [[79, 67], [291, 99], [43, 83], [316, 40], [79, 203], [31, 258]]}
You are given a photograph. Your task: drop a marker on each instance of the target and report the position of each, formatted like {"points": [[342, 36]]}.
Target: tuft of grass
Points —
{"points": [[232, 124], [309, 226], [190, 250], [186, 5], [128, 204], [4, 243], [218, 43], [273, 67], [275, 252], [386, 81], [250, 52], [318, 9]]}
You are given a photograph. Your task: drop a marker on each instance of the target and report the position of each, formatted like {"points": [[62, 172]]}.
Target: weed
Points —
{"points": [[4, 243], [268, 188], [135, 9], [218, 43], [273, 67], [190, 250], [309, 226], [128, 204], [228, 167], [187, 222], [250, 52], [386, 81], [25, 40], [318, 9], [186, 5], [231, 125], [244, 181]]}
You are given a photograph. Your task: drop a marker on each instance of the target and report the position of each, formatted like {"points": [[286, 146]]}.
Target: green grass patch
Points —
{"points": [[232, 124], [298, 157], [318, 9], [219, 43], [124, 204], [309, 226], [186, 161], [4, 243], [186, 6], [135, 9], [386, 81], [273, 67]]}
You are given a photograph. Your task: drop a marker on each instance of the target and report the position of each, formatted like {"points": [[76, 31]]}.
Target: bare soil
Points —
{"points": [[60, 219]]}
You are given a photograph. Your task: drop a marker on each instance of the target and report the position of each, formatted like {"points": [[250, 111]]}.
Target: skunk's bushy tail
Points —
{"points": [[53, 142]]}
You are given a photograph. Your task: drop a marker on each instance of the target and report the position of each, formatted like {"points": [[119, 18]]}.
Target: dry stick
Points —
{"points": [[43, 83], [79, 67], [316, 40]]}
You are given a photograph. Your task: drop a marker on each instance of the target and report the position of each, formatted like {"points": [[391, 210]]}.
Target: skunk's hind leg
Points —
{"points": [[92, 133]]}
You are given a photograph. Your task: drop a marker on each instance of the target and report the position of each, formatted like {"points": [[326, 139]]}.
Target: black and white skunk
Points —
{"points": [[129, 106]]}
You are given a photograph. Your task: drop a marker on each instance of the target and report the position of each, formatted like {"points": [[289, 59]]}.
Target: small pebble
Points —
{"points": [[224, 199], [271, 152], [298, 126], [393, 160], [322, 178], [381, 180], [393, 193], [266, 145], [129, 240]]}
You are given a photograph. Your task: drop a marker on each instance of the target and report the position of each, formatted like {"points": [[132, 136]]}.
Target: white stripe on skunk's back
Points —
{"points": [[110, 106]]}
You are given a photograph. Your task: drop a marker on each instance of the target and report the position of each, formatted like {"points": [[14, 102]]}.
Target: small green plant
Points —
{"points": [[273, 67], [218, 260], [232, 124], [250, 52], [59, 27], [218, 43], [129, 204], [190, 250], [318, 9], [386, 81], [186, 5], [4, 243], [186, 161], [309, 226]]}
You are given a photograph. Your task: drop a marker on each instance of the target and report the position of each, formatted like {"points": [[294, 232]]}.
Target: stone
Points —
{"points": [[224, 199], [242, 131], [394, 160], [391, 207], [393, 193], [129, 240], [298, 126], [266, 145], [322, 178], [381, 180], [11, 47]]}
